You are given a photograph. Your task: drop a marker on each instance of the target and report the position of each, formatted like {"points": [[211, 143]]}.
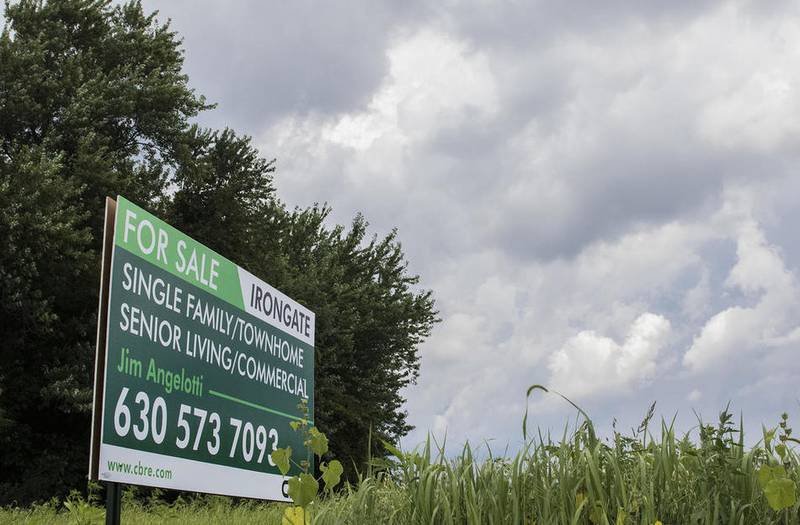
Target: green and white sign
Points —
{"points": [[203, 370]]}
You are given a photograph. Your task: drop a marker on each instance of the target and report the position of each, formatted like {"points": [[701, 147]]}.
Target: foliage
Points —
{"points": [[370, 319], [93, 103], [303, 488], [706, 478], [81, 511]]}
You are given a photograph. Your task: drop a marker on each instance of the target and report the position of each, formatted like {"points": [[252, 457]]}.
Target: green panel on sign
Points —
{"points": [[157, 242]]}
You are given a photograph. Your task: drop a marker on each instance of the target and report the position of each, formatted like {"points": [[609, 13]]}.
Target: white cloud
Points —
{"points": [[552, 189], [433, 79], [645, 260], [697, 301], [593, 364], [760, 107], [760, 273]]}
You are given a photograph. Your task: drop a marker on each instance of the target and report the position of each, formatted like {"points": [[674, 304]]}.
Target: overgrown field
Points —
{"points": [[647, 476]]}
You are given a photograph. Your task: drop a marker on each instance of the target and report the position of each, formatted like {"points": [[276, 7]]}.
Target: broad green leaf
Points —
{"points": [[768, 473], [319, 442], [396, 452], [280, 456], [781, 450], [303, 489], [294, 424], [296, 516], [780, 493], [331, 474]]}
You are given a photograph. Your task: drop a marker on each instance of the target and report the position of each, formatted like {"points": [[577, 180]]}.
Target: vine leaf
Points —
{"points": [[281, 458], [778, 488], [768, 473], [780, 493], [319, 442], [331, 474], [295, 516], [303, 489]]}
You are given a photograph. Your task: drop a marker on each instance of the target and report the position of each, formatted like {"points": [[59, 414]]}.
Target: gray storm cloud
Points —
{"points": [[601, 197]]}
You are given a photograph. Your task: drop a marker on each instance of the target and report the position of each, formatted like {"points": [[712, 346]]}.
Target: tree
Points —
{"points": [[370, 319], [93, 102]]}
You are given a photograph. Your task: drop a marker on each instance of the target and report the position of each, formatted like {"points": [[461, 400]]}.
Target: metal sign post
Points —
{"points": [[113, 503]]}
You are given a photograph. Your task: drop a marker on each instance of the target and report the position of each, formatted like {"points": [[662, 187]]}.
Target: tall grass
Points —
{"points": [[579, 479], [647, 476]]}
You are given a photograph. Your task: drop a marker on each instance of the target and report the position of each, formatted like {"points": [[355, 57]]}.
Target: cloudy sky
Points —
{"points": [[603, 197]]}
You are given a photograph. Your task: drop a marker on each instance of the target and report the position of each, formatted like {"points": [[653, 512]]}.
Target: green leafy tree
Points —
{"points": [[93, 102], [370, 316]]}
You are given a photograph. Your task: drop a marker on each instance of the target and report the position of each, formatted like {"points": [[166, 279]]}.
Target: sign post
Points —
{"points": [[200, 366], [113, 503]]}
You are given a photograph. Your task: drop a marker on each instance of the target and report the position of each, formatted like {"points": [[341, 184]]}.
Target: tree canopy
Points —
{"points": [[94, 103]]}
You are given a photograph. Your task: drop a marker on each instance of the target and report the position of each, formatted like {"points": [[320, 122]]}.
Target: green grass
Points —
{"points": [[706, 477]]}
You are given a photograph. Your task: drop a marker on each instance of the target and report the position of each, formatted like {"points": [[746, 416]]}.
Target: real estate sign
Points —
{"points": [[201, 365]]}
